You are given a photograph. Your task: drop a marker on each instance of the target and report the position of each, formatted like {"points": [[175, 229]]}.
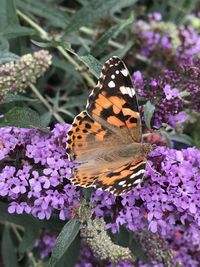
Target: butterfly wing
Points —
{"points": [[109, 125], [122, 179], [113, 101], [87, 142]]}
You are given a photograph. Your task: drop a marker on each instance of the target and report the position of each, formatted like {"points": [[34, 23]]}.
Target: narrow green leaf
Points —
{"points": [[182, 138], [31, 233], [67, 67], [23, 219], [23, 117], [7, 14], [17, 98], [137, 251], [94, 65], [17, 31], [149, 109], [4, 44], [121, 52], [8, 250], [71, 255], [64, 240], [45, 118], [122, 4], [113, 32], [90, 13], [193, 129], [102, 42], [47, 10], [53, 43], [7, 56], [9, 23]]}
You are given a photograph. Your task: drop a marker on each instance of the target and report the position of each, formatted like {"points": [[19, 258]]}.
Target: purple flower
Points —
{"points": [[39, 174], [170, 93]]}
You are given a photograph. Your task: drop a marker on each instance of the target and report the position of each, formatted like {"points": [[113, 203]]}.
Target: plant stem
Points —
{"points": [[45, 36], [43, 33], [46, 104], [76, 65]]}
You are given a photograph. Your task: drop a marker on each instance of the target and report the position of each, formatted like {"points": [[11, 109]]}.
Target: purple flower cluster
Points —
{"points": [[173, 93], [163, 43], [45, 244], [34, 180], [168, 101], [168, 202], [34, 172]]}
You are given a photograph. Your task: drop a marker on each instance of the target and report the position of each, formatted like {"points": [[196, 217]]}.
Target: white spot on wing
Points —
{"points": [[124, 72], [122, 183], [113, 76], [127, 91], [138, 181], [137, 173], [111, 84], [117, 71]]}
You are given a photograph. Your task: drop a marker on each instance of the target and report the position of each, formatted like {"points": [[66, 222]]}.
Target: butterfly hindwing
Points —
{"points": [[122, 179]]}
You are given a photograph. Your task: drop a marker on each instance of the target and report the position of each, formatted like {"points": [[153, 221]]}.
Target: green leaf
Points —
{"points": [[182, 138], [4, 44], [67, 67], [46, 10], [71, 255], [17, 98], [94, 65], [137, 251], [8, 250], [102, 42], [64, 240], [149, 109], [7, 14], [90, 13], [23, 219], [23, 117], [121, 52], [31, 233], [54, 43], [9, 23], [122, 4], [17, 31], [193, 129], [7, 56]]}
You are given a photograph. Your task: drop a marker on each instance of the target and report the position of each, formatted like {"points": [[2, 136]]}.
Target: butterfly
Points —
{"points": [[104, 141]]}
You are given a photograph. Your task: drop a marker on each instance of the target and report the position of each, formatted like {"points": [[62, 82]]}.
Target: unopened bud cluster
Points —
{"points": [[16, 76], [155, 247], [98, 240]]}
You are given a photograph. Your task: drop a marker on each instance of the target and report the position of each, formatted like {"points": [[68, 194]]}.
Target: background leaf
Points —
{"points": [[93, 64], [9, 23], [149, 109], [91, 12], [7, 56], [64, 240], [23, 117], [8, 250]]}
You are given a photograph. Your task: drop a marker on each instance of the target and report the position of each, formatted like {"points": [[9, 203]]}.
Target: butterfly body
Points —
{"points": [[105, 139]]}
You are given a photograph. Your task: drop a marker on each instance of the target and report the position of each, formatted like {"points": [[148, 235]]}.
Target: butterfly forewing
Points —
{"points": [[113, 101]]}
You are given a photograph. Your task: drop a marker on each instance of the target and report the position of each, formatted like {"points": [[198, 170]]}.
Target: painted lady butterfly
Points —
{"points": [[105, 139]]}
